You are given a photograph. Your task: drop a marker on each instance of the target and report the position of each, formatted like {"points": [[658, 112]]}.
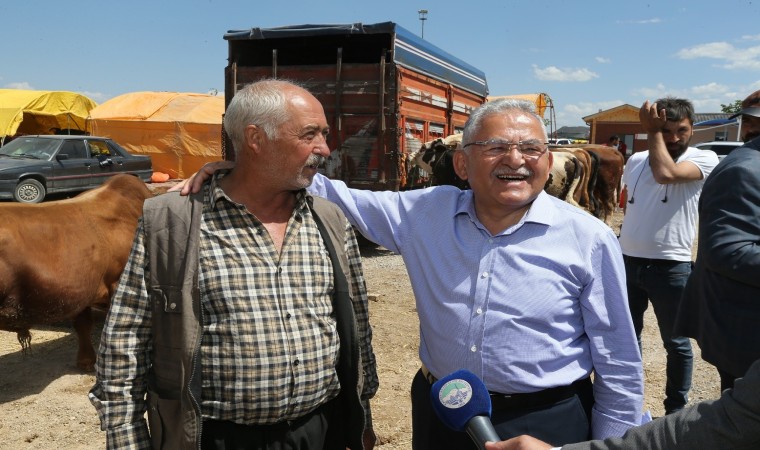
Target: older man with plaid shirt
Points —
{"points": [[241, 318]]}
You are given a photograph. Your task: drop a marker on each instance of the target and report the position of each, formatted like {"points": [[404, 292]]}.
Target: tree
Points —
{"points": [[731, 108]]}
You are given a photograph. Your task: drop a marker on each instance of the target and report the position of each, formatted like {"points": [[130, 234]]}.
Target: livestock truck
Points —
{"points": [[384, 90]]}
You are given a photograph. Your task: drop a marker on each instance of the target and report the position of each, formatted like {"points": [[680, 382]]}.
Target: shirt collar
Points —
{"points": [[216, 193], [542, 211]]}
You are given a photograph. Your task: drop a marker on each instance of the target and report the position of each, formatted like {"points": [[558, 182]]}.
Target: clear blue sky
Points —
{"points": [[587, 55]]}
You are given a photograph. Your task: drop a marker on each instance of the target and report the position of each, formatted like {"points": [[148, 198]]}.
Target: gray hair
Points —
{"points": [[676, 109], [500, 106], [263, 104]]}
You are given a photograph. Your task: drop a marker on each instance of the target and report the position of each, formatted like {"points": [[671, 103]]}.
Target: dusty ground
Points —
{"points": [[43, 402]]}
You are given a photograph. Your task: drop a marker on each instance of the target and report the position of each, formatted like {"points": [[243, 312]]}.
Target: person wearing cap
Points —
{"points": [[720, 307], [662, 189]]}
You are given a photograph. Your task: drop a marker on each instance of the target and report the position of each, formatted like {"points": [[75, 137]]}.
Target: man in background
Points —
{"points": [[663, 186]]}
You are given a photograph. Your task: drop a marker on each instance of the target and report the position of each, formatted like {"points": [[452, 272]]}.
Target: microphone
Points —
{"points": [[463, 403]]}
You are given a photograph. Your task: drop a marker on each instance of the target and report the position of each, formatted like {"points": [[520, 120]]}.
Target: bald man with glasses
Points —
{"points": [[522, 289]]}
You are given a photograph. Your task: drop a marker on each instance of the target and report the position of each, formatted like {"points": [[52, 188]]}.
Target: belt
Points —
{"points": [[428, 376], [653, 261], [502, 402]]}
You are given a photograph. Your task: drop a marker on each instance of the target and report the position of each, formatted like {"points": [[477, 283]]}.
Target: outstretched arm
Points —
{"points": [[194, 183]]}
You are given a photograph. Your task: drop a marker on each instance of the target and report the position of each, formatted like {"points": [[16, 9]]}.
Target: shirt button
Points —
{"points": [[295, 363], [172, 306], [479, 311], [484, 275], [490, 241], [287, 316], [473, 349]]}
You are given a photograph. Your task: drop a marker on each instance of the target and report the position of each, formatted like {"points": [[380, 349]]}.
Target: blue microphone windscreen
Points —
{"points": [[458, 397]]}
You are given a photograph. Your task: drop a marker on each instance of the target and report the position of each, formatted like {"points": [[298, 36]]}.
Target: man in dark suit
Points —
{"points": [[720, 307], [731, 422]]}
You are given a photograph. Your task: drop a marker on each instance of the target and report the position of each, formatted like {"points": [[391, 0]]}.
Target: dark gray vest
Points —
{"points": [[172, 229]]}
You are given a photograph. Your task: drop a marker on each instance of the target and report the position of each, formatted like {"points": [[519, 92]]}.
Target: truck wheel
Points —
{"points": [[29, 191]]}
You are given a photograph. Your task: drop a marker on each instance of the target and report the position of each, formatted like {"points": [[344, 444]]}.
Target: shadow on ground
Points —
{"points": [[24, 374]]}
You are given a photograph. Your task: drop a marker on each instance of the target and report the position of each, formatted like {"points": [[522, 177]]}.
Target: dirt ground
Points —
{"points": [[43, 396]]}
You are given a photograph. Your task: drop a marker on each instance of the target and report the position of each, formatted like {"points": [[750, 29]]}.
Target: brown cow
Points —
{"points": [[59, 259], [606, 190], [587, 167], [589, 162]]}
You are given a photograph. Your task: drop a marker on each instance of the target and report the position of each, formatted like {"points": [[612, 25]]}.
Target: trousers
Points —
{"points": [[662, 283], [310, 432], [558, 423]]}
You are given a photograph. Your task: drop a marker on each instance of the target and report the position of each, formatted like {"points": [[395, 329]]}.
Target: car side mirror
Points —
{"points": [[61, 156]]}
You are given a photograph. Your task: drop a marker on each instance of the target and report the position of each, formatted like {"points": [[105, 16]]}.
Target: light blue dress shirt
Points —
{"points": [[539, 305]]}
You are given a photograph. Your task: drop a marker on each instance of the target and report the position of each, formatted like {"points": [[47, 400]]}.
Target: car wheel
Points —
{"points": [[29, 191]]}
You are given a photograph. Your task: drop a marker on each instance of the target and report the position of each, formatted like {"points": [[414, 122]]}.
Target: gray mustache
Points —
{"points": [[315, 160]]}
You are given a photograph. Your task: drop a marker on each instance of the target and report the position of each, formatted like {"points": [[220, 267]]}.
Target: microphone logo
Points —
{"points": [[455, 393]]}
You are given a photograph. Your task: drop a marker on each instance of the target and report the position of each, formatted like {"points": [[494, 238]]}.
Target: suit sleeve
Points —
{"points": [[733, 421], [730, 219]]}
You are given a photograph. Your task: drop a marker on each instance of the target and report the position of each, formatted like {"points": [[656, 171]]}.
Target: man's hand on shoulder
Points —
{"points": [[194, 183]]}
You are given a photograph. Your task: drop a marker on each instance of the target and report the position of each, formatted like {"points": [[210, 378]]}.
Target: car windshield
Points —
{"points": [[32, 148]]}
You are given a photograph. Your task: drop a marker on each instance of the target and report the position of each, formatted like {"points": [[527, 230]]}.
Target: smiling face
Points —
{"points": [[506, 183]]}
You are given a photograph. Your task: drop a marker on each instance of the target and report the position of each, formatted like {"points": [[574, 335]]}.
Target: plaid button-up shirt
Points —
{"points": [[269, 346]]}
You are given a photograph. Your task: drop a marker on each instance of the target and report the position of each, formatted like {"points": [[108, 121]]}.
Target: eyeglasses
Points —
{"points": [[531, 149]]}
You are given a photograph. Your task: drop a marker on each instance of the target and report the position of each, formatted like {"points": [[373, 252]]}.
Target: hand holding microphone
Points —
{"points": [[463, 403]]}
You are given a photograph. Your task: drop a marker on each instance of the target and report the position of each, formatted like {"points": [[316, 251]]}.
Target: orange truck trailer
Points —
{"points": [[385, 91]]}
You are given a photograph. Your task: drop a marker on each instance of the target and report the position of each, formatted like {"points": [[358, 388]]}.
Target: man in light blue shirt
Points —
{"points": [[522, 289]]}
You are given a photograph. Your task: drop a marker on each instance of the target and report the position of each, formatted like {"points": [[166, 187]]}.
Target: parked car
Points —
{"points": [[33, 166], [561, 141], [721, 148]]}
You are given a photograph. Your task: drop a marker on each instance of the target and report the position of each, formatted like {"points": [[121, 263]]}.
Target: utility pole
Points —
{"points": [[423, 18]]}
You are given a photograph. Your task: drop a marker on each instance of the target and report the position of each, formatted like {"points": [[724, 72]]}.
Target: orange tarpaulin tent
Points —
{"points": [[179, 131], [42, 112]]}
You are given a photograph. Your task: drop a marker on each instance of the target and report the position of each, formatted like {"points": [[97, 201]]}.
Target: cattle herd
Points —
{"points": [[587, 176], [60, 259]]}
